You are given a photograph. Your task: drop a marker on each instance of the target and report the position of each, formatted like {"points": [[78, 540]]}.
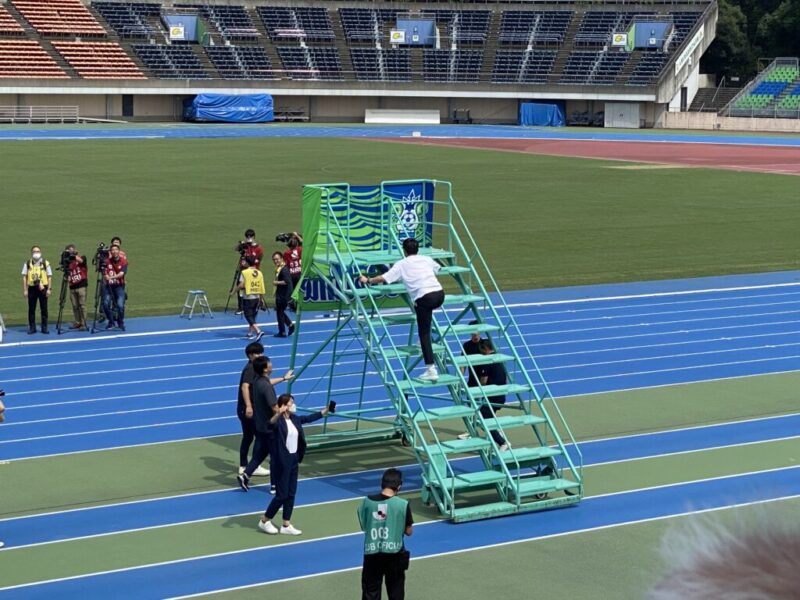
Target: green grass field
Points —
{"points": [[180, 206]]}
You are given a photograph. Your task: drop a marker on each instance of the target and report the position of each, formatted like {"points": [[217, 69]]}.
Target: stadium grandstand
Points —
{"points": [[333, 61]]}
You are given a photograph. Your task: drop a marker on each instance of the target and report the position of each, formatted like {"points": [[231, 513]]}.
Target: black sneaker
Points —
{"points": [[291, 329], [238, 313], [110, 325], [273, 490], [122, 326], [45, 330], [281, 335], [244, 481], [31, 330]]}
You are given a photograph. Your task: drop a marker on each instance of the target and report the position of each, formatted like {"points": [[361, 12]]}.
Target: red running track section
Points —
{"points": [[762, 159]]}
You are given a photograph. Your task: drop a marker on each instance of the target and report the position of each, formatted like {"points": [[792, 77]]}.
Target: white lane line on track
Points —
{"points": [[501, 544], [112, 430], [117, 398], [566, 396], [706, 366], [331, 319], [522, 325], [424, 523], [313, 322]]}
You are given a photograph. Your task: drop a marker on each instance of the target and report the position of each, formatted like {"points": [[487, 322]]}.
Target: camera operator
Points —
{"points": [[293, 255], [250, 247], [75, 267], [36, 276], [116, 241], [114, 290]]}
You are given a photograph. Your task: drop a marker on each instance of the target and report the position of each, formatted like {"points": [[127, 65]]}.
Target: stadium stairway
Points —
{"points": [[490, 49], [265, 41], [340, 41], [534, 472], [566, 48]]}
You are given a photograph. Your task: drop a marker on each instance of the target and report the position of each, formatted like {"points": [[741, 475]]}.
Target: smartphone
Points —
{"points": [[332, 406]]}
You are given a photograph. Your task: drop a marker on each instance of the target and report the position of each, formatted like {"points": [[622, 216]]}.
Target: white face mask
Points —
{"points": [[36, 255], [293, 408]]}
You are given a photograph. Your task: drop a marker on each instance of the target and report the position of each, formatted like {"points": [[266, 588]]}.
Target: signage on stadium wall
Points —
{"points": [[177, 32], [686, 56], [397, 36], [619, 39]]}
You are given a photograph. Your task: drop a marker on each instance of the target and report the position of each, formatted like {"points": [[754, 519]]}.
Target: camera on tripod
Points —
{"points": [[101, 256], [67, 256], [284, 237], [242, 247]]}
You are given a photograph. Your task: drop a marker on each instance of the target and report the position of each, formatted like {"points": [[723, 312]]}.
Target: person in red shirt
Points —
{"points": [[248, 248], [115, 241], [114, 288], [78, 278], [293, 257]]}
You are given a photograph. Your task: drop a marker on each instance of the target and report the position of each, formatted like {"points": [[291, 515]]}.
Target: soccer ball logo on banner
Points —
{"points": [[410, 222]]}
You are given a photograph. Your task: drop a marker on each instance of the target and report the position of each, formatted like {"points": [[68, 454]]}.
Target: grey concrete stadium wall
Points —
{"points": [[320, 109]]}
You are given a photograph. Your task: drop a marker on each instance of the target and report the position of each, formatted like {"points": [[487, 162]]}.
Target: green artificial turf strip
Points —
{"points": [[63, 559], [181, 205], [73, 481]]}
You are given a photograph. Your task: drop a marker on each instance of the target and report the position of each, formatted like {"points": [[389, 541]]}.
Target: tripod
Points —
{"points": [[62, 299], [234, 285], [98, 296]]}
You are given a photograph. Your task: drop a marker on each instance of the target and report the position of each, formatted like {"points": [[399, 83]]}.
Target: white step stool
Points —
{"points": [[196, 298]]}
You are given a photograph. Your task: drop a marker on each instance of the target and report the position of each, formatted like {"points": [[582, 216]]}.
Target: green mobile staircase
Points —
{"points": [[375, 341]]}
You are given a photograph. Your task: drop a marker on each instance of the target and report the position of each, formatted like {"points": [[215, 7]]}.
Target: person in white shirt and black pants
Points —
{"points": [[289, 448], [418, 274]]}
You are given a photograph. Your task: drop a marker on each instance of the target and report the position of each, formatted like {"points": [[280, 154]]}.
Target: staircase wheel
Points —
{"points": [[404, 441], [540, 496]]}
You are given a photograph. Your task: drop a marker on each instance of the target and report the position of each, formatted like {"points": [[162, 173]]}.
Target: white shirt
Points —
{"points": [[291, 437], [418, 274]]}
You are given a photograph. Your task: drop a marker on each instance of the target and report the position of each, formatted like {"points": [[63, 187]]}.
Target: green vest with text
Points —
{"points": [[384, 524]]}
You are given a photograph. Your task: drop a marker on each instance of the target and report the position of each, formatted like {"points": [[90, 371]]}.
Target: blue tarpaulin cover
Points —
{"points": [[224, 108], [541, 114]]}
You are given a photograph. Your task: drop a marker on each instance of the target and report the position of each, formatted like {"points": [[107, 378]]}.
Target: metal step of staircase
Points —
{"points": [[465, 481], [482, 359], [513, 421], [451, 299], [497, 390], [410, 351], [543, 485], [499, 509], [466, 328], [443, 381], [462, 446], [447, 412], [525, 455]]}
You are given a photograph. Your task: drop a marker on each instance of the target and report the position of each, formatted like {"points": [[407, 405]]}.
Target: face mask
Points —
{"points": [[293, 408], [36, 255]]}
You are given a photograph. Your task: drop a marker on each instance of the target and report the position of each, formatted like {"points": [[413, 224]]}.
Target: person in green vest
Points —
{"points": [[385, 519]]}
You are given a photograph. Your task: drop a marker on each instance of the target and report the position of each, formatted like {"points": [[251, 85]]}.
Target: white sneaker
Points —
{"points": [[241, 470], [261, 472], [268, 527], [1, 544], [290, 530], [430, 374], [504, 447], [464, 436]]}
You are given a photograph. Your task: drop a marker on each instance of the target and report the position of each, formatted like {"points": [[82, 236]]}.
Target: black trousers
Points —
{"points": [[36, 295], [424, 308], [378, 567], [285, 480], [261, 450], [488, 412], [248, 435], [250, 308], [280, 311]]}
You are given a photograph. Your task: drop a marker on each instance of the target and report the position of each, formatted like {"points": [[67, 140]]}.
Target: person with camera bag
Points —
{"points": [[251, 283], [78, 278], [36, 279], [116, 268], [385, 519]]}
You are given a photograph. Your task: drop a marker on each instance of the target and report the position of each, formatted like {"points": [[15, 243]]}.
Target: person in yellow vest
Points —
{"points": [[251, 282], [36, 277]]}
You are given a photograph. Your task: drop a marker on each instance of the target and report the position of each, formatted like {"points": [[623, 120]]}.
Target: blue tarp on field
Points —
{"points": [[541, 114], [224, 108]]}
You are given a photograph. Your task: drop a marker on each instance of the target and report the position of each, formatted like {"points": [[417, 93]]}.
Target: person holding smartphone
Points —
{"points": [[290, 447]]}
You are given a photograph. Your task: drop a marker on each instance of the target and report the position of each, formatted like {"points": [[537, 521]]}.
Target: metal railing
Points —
{"points": [[39, 114]]}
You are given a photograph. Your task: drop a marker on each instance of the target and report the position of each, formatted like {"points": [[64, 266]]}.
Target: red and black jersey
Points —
{"points": [[257, 252], [121, 266], [78, 274], [293, 257]]}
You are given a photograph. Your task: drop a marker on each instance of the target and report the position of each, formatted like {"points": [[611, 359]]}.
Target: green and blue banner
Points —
{"points": [[358, 219]]}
